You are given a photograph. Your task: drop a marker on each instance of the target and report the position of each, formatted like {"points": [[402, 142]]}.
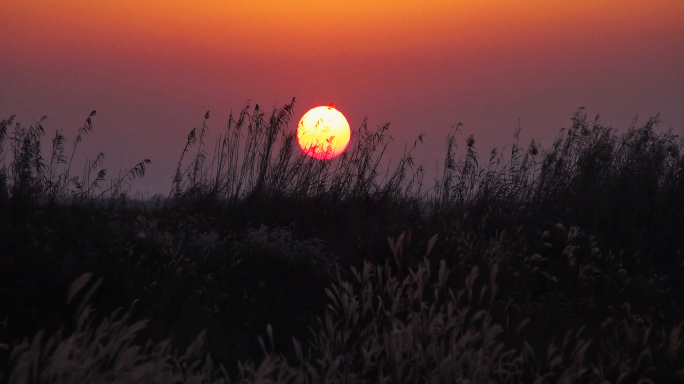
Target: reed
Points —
{"points": [[535, 264], [32, 177], [258, 155]]}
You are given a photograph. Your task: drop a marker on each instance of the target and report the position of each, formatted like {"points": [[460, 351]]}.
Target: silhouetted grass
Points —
{"points": [[28, 175], [559, 264], [258, 155]]}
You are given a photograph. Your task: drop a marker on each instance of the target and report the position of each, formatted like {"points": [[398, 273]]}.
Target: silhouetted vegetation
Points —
{"points": [[558, 264]]}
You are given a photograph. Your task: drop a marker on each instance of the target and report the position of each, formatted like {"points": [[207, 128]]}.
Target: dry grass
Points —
{"points": [[387, 323], [30, 176], [105, 352], [548, 265], [257, 155]]}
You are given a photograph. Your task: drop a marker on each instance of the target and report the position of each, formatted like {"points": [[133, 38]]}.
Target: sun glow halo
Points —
{"points": [[323, 132]]}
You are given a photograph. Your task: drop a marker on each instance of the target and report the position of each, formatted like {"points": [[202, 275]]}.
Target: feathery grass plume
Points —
{"points": [[107, 351]]}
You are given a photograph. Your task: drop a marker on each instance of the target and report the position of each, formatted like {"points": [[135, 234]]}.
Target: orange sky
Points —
{"points": [[151, 68], [262, 28]]}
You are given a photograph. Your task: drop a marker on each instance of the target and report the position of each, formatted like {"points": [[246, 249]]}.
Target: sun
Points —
{"points": [[323, 132]]}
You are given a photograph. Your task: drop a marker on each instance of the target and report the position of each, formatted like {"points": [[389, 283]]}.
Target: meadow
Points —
{"points": [[530, 265]]}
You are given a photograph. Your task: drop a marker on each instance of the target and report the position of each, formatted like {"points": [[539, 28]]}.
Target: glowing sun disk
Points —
{"points": [[323, 132]]}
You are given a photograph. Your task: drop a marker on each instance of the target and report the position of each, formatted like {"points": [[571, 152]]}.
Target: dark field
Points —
{"points": [[560, 264]]}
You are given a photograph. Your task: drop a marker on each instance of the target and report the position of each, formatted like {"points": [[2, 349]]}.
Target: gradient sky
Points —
{"points": [[152, 68]]}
